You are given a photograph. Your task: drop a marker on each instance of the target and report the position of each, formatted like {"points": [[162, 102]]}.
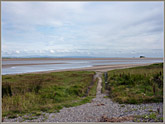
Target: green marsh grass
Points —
{"points": [[49, 92], [136, 85]]}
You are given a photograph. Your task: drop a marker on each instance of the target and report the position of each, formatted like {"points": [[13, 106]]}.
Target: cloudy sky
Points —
{"points": [[94, 29]]}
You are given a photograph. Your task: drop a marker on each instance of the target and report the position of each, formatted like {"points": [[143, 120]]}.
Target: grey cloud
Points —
{"points": [[82, 27]]}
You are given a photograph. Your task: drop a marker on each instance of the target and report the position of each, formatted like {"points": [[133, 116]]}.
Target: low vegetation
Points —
{"points": [[136, 85], [49, 92], [103, 83], [147, 117]]}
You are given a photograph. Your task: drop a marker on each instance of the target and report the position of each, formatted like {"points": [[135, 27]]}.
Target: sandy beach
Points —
{"points": [[10, 65], [23, 59], [102, 68]]}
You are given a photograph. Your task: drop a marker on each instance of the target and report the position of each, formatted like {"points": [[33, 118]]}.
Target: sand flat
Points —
{"points": [[24, 59], [10, 65], [95, 67]]}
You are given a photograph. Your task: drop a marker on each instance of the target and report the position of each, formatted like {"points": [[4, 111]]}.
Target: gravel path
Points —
{"points": [[98, 108]]}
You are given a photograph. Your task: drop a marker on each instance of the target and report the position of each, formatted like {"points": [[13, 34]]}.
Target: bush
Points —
{"points": [[6, 89]]}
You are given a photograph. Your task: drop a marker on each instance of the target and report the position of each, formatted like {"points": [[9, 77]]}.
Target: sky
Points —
{"points": [[90, 29]]}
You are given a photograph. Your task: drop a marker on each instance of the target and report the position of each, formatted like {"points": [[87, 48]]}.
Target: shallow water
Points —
{"points": [[65, 64]]}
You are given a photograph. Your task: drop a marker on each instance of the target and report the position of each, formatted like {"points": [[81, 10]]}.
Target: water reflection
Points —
{"points": [[66, 64]]}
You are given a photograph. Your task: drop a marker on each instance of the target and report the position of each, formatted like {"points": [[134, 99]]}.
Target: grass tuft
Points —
{"points": [[136, 85]]}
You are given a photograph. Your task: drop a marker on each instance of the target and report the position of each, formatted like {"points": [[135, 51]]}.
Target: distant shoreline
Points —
{"points": [[7, 63], [24, 59], [97, 68]]}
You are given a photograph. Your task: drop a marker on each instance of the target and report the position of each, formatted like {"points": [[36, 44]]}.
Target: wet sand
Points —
{"points": [[97, 68], [101, 68], [10, 65]]}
